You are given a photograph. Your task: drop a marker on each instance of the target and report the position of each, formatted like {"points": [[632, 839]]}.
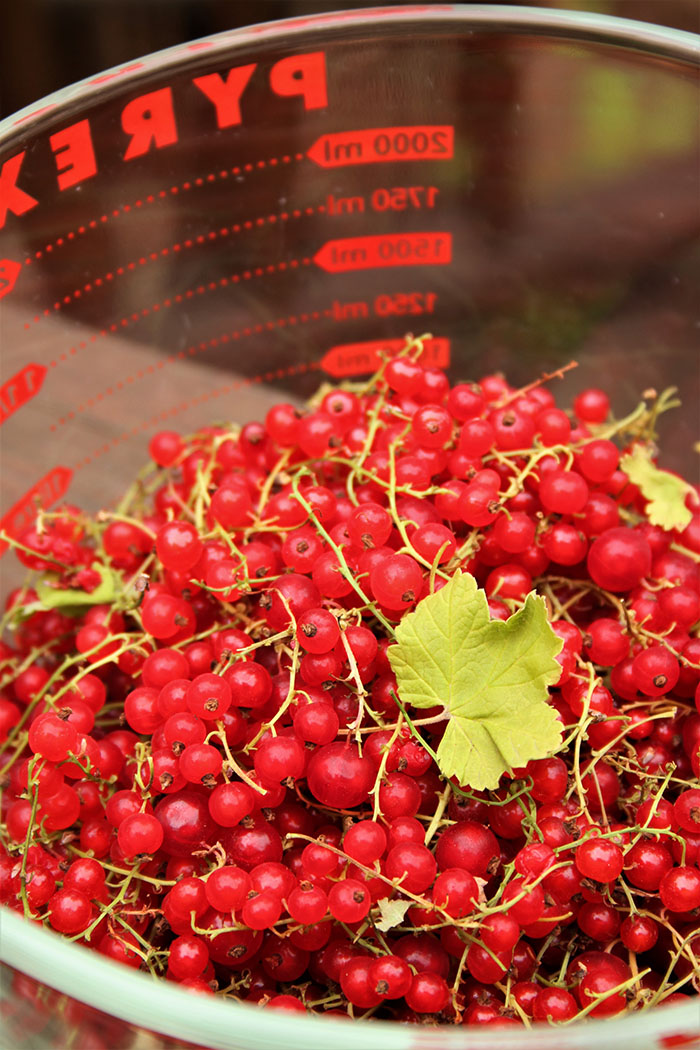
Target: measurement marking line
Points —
{"points": [[160, 417], [191, 351], [160, 195], [191, 242], [212, 286]]}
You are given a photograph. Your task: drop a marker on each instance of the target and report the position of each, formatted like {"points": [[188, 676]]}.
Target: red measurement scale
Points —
{"points": [[382, 145], [256, 220], [47, 491], [20, 389], [385, 250], [354, 359]]}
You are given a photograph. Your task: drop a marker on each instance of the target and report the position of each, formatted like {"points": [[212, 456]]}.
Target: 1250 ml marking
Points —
{"points": [[396, 304]]}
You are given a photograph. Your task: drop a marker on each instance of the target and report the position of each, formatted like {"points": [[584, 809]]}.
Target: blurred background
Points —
{"points": [[46, 44]]}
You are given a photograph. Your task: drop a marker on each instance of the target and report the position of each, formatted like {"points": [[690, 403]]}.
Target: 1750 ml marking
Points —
{"points": [[390, 198]]}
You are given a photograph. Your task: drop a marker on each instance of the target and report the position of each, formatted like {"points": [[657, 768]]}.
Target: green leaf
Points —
{"points": [[392, 912], [664, 491], [53, 597], [490, 675]]}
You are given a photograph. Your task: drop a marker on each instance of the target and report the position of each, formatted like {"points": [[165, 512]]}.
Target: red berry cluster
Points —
{"points": [[208, 775]]}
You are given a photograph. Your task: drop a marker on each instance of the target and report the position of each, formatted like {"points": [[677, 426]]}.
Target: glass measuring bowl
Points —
{"points": [[187, 238]]}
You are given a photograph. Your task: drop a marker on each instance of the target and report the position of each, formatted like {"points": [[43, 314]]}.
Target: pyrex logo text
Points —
{"points": [[149, 122]]}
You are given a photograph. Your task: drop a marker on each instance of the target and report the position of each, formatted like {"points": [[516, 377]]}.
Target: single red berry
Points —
{"points": [[592, 406], [599, 859], [554, 1005], [317, 631], [178, 545], [349, 900], [227, 888], [165, 447], [686, 810], [390, 976], [356, 983], [209, 696], [639, 933], [428, 993], [680, 889], [618, 559], [278, 758], [140, 833], [70, 911], [457, 892], [338, 777], [470, 846]]}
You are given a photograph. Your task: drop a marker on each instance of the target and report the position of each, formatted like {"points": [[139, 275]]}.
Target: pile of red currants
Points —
{"points": [[207, 769]]}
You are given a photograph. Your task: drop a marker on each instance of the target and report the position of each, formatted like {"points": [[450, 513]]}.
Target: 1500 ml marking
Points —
{"points": [[382, 250]]}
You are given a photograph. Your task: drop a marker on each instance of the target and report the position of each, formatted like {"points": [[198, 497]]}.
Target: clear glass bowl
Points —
{"points": [[191, 236]]}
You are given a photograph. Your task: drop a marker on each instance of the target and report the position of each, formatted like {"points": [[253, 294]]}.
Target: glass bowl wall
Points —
{"points": [[189, 237]]}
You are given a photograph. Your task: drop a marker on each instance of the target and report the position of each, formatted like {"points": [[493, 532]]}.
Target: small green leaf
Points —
{"points": [[664, 491], [392, 912], [490, 675], [53, 597]]}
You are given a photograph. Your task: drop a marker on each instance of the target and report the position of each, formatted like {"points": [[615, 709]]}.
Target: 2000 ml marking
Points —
{"points": [[381, 145]]}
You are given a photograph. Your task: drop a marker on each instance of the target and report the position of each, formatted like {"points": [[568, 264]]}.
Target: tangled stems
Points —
{"points": [[338, 551], [271, 473]]}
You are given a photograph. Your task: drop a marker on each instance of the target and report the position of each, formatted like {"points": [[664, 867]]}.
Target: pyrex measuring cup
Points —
{"points": [[184, 237], [189, 237]]}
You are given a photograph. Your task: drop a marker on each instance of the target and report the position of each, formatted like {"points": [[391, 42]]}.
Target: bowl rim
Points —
{"points": [[161, 1007], [657, 40], [156, 1005]]}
